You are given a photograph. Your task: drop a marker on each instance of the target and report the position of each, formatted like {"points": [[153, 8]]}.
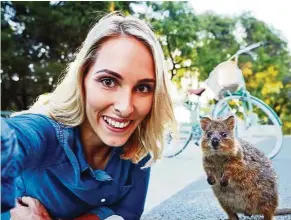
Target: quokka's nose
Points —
{"points": [[215, 142]]}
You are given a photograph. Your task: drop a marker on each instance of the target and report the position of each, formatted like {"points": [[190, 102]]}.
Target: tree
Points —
{"points": [[195, 44], [267, 68], [192, 44], [38, 39], [46, 36]]}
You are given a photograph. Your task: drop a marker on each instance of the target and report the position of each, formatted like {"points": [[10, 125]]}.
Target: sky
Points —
{"points": [[274, 13]]}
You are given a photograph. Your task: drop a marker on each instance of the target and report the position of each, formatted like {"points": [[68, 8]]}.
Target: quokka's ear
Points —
{"points": [[204, 123], [230, 122]]}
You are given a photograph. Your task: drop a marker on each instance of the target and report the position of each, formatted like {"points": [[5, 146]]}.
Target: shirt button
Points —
{"points": [[103, 200]]}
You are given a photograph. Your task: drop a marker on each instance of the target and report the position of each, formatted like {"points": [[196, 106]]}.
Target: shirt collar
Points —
{"points": [[100, 175], [79, 152]]}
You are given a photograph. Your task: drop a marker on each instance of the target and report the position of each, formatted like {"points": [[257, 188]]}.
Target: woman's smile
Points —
{"points": [[117, 125]]}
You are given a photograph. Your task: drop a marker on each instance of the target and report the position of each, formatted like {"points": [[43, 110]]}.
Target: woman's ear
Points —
{"points": [[204, 123], [230, 122]]}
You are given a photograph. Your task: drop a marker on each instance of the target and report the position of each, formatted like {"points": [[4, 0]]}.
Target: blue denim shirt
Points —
{"points": [[44, 159]]}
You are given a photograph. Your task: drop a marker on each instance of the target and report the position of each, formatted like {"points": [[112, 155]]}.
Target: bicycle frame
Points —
{"points": [[194, 107], [243, 91], [245, 110], [244, 94]]}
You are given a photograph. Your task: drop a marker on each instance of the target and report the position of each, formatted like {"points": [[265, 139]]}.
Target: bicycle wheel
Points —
{"points": [[174, 145], [256, 123]]}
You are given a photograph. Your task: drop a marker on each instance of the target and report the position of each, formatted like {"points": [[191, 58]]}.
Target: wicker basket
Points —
{"points": [[225, 76]]}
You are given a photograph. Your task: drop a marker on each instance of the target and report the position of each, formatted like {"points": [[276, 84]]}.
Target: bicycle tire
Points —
{"points": [[263, 107]]}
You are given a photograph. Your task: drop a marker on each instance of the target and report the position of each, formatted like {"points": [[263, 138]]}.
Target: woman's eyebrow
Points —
{"points": [[117, 75], [147, 80]]}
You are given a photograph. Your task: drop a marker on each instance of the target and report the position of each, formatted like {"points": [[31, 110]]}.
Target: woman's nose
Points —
{"points": [[124, 104]]}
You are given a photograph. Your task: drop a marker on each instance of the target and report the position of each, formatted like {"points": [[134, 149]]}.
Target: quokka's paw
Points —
{"points": [[211, 180], [224, 182]]}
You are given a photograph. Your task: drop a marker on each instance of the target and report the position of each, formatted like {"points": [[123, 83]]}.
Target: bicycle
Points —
{"points": [[256, 122]]}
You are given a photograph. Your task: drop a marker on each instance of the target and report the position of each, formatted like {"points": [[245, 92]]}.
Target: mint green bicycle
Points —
{"points": [[256, 122]]}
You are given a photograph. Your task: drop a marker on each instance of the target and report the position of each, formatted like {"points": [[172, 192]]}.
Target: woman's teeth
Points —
{"points": [[116, 124]]}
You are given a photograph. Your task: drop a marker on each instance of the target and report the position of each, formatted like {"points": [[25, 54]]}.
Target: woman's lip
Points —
{"points": [[118, 119], [117, 130]]}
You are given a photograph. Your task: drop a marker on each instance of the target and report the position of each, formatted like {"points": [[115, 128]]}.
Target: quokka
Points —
{"points": [[242, 177]]}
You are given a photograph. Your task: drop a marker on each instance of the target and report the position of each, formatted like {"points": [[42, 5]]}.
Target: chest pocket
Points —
{"points": [[126, 187], [123, 190], [117, 195]]}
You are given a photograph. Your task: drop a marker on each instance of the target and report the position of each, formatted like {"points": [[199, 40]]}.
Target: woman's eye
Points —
{"points": [[110, 83], [223, 134], [144, 88], [209, 134]]}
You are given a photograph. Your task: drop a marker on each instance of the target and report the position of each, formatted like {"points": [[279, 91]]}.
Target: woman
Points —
{"points": [[85, 150]]}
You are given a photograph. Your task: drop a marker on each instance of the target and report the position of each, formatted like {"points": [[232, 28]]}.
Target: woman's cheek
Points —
{"points": [[97, 101], [145, 105], [96, 97]]}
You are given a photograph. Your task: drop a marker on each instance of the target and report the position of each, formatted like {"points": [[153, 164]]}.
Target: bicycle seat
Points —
{"points": [[196, 91]]}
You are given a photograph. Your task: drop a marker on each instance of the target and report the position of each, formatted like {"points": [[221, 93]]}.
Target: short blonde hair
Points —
{"points": [[66, 103]]}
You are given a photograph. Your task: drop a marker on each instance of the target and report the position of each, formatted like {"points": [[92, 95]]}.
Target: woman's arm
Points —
{"points": [[9, 169], [33, 134], [24, 140], [30, 208]]}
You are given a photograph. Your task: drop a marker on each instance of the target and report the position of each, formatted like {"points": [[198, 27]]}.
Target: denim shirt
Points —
{"points": [[44, 159]]}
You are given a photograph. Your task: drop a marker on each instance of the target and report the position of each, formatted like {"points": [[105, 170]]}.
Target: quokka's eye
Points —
{"points": [[223, 134], [209, 134]]}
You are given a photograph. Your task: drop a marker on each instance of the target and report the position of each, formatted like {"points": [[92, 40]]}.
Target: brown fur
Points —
{"points": [[241, 176]]}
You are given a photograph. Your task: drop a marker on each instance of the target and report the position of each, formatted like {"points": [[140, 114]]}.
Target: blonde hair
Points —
{"points": [[66, 103]]}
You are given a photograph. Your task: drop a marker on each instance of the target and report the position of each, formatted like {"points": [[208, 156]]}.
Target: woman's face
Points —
{"points": [[119, 89]]}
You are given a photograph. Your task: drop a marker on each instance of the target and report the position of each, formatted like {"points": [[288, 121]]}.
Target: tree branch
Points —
{"points": [[171, 57]]}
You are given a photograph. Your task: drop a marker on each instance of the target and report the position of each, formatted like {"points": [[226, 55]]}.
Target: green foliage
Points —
{"points": [[267, 70], [45, 38], [191, 42], [209, 39], [193, 46]]}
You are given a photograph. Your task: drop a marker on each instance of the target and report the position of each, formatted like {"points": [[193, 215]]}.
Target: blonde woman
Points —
{"points": [[85, 150]]}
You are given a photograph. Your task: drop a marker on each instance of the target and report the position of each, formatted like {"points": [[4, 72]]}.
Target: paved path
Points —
{"points": [[178, 187]]}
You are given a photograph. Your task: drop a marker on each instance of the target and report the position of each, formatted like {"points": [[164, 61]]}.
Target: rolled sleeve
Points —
{"points": [[9, 166], [102, 212], [24, 140]]}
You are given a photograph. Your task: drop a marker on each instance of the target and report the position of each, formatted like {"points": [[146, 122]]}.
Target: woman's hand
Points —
{"points": [[95, 217], [114, 217], [28, 208]]}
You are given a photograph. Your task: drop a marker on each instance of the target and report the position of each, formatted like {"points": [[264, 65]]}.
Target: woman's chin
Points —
{"points": [[115, 143]]}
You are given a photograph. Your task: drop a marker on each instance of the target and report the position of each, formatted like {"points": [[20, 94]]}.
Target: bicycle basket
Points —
{"points": [[225, 76]]}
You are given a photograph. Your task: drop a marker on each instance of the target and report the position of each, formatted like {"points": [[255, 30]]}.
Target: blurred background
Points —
{"points": [[39, 39]]}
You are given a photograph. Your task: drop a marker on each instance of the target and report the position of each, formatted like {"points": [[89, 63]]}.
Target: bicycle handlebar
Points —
{"points": [[247, 49]]}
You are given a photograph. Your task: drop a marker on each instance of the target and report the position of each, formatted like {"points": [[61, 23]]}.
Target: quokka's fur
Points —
{"points": [[242, 178]]}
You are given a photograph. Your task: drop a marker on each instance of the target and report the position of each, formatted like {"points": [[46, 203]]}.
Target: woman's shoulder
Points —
{"points": [[31, 123], [31, 120], [142, 165], [145, 160], [35, 119]]}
